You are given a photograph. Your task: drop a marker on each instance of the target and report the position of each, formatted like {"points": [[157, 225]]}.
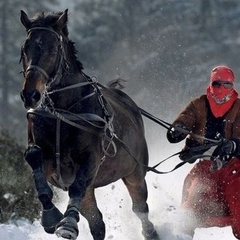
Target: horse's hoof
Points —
{"points": [[151, 236], [67, 228], [50, 218]]}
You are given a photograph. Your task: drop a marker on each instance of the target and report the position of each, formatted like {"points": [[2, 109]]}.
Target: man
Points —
{"points": [[212, 195]]}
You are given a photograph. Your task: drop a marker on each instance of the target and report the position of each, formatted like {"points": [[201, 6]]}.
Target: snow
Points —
{"points": [[121, 223]]}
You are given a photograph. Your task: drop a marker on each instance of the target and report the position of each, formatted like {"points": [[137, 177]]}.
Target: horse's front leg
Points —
{"points": [[50, 215], [68, 227]]}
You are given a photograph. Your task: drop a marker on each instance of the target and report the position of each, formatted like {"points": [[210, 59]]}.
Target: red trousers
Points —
{"points": [[214, 196]]}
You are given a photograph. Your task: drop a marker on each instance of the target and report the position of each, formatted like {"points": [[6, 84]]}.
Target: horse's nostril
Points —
{"points": [[36, 96]]}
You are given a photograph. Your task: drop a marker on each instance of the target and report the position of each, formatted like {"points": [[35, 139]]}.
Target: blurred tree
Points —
{"points": [[17, 193], [3, 64], [100, 25], [157, 45], [205, 13], [11, 37], [18, 197]]}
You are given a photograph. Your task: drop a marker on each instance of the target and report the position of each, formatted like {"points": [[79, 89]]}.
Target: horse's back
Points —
{"points": [[123, 106]]}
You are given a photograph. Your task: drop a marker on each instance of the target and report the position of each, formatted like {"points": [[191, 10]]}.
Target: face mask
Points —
{"points": [[220, 99], [221, 91]]}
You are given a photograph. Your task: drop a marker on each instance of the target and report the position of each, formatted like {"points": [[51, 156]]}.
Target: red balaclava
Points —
{"points": [[221, 99]]}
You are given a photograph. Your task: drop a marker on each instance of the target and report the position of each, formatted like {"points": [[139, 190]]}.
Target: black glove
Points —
{"points": [[187, 156], [174, 134], [225, 150], [191, 151]]}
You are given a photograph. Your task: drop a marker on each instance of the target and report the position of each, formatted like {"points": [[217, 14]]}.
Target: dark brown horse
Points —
{"points": [[81, 135]]}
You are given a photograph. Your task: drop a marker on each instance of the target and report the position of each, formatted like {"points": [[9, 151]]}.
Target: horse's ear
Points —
{"points": [[25, 20], [62, 20]]}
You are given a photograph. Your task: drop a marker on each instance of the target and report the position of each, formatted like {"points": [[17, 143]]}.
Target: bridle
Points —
{"points": [[62, 63]]}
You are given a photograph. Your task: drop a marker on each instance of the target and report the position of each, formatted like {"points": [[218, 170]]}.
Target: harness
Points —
{"points": [[88, 122], [166, 125]]}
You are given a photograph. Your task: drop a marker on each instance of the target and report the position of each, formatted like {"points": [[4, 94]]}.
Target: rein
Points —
{"points": [[106, 125], [167, 125], [70, 118]]}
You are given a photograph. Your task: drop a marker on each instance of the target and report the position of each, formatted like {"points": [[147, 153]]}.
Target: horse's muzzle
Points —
{"points": [[31, 99]]}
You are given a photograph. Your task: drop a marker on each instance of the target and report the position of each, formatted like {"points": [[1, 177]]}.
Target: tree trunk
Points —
{"points": [[4, 76]]}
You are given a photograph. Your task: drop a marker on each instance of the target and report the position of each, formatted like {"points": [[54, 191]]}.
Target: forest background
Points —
{"points": [[164, 49]]}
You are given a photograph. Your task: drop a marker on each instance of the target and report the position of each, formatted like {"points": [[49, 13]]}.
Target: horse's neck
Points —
{"points": [[73, 76]]}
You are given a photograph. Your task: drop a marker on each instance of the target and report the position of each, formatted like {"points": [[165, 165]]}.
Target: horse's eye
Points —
{"points": [[25, 46], [40, 48], [52, 51]]}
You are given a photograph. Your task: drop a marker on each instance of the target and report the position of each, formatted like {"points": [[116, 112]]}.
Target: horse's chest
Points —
{"points": [[60, 170], [47, 133]]}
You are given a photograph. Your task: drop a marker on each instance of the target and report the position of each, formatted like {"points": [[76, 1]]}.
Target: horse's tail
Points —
{"points": [[118, 83]]}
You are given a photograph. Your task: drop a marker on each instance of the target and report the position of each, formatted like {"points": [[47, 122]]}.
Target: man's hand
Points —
{"points": [[225, 150], [175, 134]]}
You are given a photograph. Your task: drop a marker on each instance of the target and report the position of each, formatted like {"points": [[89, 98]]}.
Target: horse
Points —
{"points": [[81, 135]]}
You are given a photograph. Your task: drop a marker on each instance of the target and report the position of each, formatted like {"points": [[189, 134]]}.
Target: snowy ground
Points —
{"points": [[121, 223]]}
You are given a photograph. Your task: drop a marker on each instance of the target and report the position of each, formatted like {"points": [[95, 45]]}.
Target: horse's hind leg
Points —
{"points": [[90, 211], [50, 215], [139, 194]]}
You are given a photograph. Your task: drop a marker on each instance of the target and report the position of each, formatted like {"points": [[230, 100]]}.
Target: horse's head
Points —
{"points": [[41, 54]]}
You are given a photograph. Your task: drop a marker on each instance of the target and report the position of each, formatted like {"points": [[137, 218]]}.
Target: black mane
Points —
{"points": [[43, 19]]}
